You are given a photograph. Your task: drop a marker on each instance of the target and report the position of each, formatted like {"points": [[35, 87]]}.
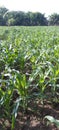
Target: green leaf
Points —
{"points": [[52, 120]]}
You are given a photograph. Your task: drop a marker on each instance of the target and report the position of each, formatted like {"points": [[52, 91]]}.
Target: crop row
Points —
{"points": [[29, 67]]}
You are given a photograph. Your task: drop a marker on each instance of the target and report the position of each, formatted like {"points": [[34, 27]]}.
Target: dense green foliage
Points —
{"points": [[21, 18], [11, 18], [29, 67]]}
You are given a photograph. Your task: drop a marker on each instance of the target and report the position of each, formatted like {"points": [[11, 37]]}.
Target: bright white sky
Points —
{"points": [[44, 6]]}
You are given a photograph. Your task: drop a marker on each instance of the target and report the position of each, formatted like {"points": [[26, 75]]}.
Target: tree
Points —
{"points": [[54, 19], [19, 18], [39, 19], [11, 22], [3, 10]]}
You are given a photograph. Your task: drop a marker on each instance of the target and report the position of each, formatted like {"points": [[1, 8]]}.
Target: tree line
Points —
{"points": [[20, 18]]}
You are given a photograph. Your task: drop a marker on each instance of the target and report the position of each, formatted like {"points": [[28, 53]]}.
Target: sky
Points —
{"points": [[46, 7]]}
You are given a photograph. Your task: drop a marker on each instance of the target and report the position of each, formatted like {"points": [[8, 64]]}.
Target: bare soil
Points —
{"points": [[33, 118]]}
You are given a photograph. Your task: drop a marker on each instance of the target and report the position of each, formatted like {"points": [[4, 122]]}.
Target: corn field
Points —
{"points": [[29, 68]]}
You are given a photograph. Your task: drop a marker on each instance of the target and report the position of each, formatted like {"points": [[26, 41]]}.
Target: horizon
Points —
{"points": [[46, 7]]}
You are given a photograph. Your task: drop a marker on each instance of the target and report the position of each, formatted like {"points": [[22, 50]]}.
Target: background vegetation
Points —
{"points": [[11, 18]]}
